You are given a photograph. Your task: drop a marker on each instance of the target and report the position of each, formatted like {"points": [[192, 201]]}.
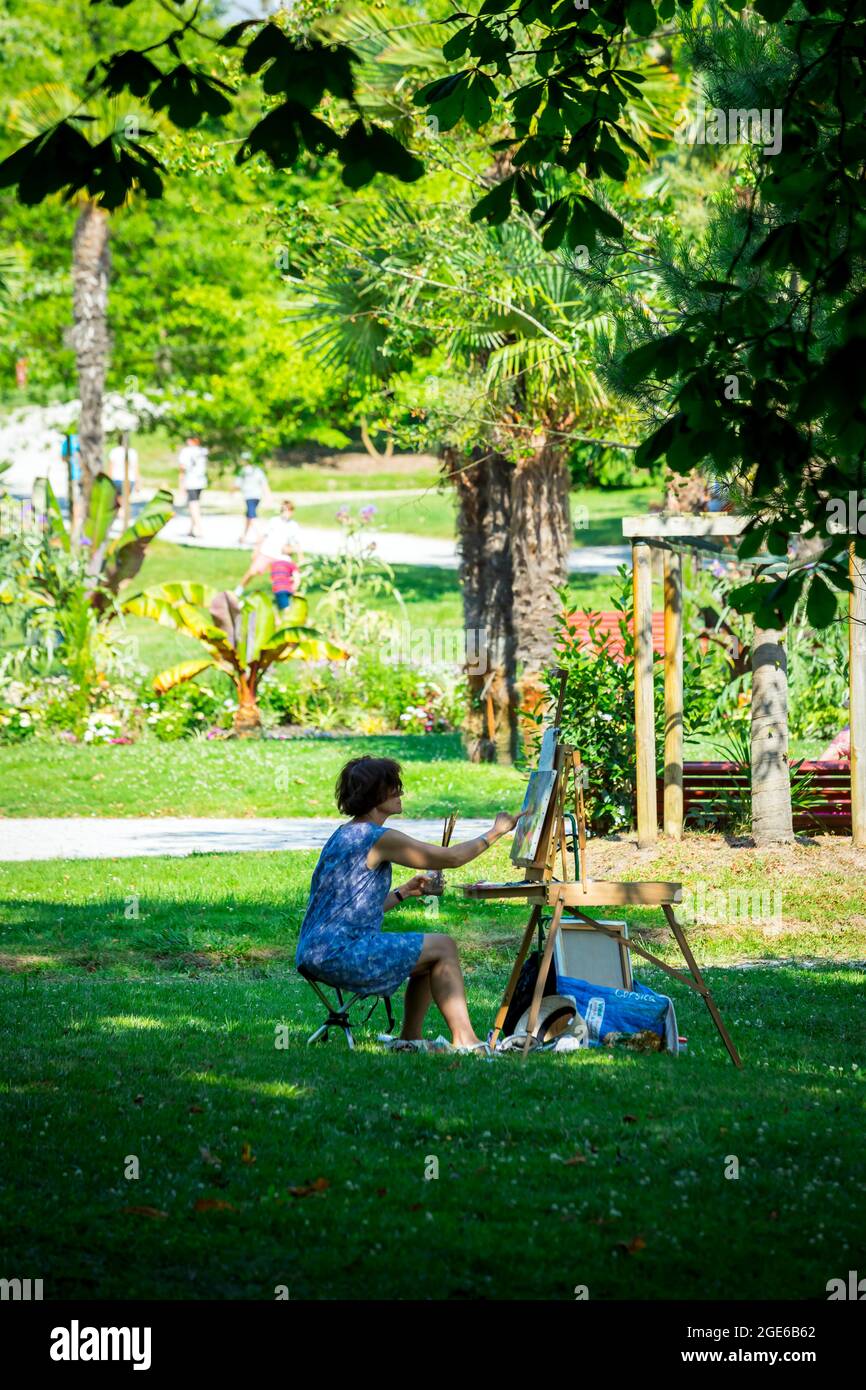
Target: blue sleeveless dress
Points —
{"points": [[341, 941]]}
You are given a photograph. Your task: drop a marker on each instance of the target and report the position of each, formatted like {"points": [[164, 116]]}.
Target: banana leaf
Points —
{"points": [[258, 628], [176, 675], [225, 610], [300, 644], [101, 508], [56, 523], [126, 554], [151, 604], [296, 614], [181, 591]]}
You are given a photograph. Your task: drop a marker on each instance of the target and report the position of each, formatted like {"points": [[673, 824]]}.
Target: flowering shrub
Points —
{"points": [[366, 696], [436, 709], [51, 705], [186, 710]]}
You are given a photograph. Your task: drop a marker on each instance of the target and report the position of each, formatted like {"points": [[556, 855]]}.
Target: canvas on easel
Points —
{"points": [[534, 812]]}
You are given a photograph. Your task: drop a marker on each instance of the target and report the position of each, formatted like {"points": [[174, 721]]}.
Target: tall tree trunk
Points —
{"points": [[91, 264], [540, 546], [483, 488], [772, 821]]}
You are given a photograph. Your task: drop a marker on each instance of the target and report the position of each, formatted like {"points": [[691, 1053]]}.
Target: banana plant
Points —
{"points": [[241, 637], [109, 563]]}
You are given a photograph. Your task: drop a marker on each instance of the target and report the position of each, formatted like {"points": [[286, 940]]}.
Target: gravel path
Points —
{"points": [[395, 547], [96, 837]]}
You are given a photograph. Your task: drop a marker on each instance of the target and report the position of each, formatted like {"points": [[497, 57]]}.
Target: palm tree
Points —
{"points": [[32, 113], [515, 331], [241, 637], [91, 267]]}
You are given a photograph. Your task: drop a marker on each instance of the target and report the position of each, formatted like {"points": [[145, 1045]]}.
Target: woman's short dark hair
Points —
{"points": [[367, 782]]}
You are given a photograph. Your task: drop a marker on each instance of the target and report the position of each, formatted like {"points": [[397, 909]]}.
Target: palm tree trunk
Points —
{"points": [[540, 546], [772, 821], [483, 488], [91, 264]]}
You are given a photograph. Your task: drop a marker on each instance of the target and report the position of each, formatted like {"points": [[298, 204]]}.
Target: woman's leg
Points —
{"points": [[439, 961], [419, 995]]}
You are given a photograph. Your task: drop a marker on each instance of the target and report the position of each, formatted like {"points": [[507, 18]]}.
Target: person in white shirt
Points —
{"points": [[192, 466], [280, 554], [253, 484], [117, 464]]}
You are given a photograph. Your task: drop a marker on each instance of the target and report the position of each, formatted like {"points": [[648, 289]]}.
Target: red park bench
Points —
{"points": [[707, 787], [606, 626]]}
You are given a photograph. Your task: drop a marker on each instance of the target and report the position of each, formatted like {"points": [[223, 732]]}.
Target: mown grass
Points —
{"points": [[597, 515], [152, 1037], [193, 777]]}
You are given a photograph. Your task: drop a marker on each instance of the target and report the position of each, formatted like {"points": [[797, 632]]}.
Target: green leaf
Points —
{"points": [[751, 541], [183, 671], [131, 72], [458, 43], [556, 219], [126, 554], [821, 603], [656, 445], [495, 206], [773, 10], [101, 510], [190, 95], [641, 16]]}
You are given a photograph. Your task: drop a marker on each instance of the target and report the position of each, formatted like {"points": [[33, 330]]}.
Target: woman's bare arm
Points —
{"points": [[393, 847]]}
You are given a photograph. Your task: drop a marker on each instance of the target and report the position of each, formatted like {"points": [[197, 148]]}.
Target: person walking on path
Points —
{"points": [[192, 466], [253, 484], [280, 554]]}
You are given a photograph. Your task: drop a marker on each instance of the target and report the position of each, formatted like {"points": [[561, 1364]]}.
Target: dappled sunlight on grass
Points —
{"points": [[280, 1090]]}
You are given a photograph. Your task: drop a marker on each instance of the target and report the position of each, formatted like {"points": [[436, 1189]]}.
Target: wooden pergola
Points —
{"points": [[658, 530]]}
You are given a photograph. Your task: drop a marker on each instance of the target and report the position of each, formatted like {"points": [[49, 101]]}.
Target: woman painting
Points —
{"points": [[342, 942]]}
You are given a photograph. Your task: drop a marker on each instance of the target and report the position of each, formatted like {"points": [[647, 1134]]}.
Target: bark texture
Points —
{"points": [[540, 545], [772, 821], [483, 489], [91, 264]]}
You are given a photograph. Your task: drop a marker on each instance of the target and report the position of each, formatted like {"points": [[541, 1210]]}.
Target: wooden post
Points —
{"points": [[673, 807], [644, 714], [857, 709]]}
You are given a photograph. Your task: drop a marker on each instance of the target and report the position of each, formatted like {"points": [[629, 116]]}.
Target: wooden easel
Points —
{"points": [[541, 889]]}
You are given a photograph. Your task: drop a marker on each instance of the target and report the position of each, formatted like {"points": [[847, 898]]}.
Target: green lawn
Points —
{"points": [[597, 514], [153, 1037], [193, 777]]}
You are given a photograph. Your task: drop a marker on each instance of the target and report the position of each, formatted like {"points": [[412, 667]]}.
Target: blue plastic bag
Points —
{"points": [[609, 1010]]}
